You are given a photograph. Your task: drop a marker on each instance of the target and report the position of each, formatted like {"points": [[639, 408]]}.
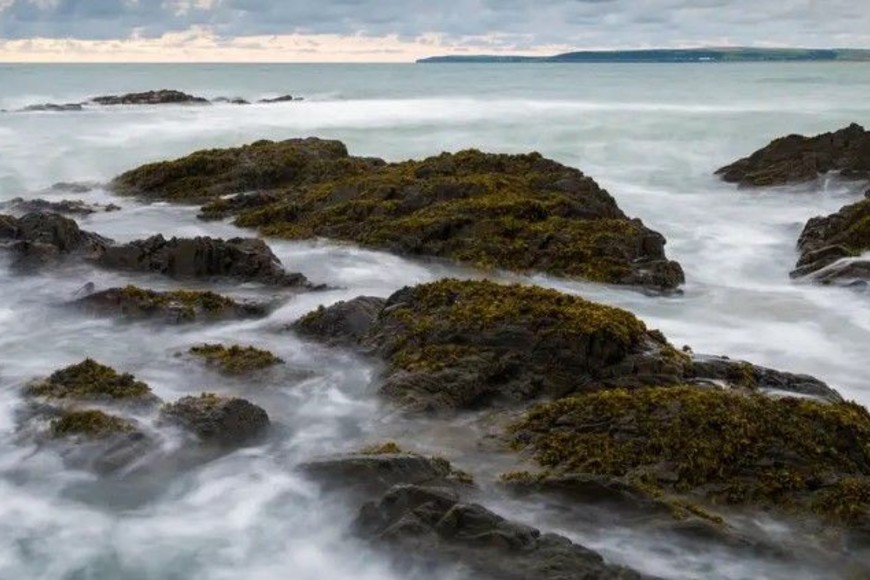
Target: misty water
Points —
{"points": [[652, 135]]}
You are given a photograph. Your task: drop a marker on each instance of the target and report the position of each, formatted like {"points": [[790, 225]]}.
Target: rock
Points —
{"points": [[232, 101], [210, 174], [74, 187], [220, 420], [162, 97], [831, 246], [65, 206], [242, 259], [90, 381], [54, 108], [282, 99], [224, 207], [712, 446], [40, 238], [798, 159], [429, 527], [515, 212], [235, 359], [456, 344], [176, 307]]}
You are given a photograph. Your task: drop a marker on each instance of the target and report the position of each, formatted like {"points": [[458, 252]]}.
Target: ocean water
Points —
{"points": [[651, 134]]}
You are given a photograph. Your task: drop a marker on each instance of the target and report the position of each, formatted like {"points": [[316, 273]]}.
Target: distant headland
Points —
{"points": [[673, 55]]}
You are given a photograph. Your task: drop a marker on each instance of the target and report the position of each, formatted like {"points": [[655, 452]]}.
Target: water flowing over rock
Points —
{"points": [[515, 212], [66, 206], [831, 247], [222, 420], [798, 159], [161, 97]]}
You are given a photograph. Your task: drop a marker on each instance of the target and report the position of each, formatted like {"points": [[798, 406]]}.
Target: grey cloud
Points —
{"points": [[579, 23]]}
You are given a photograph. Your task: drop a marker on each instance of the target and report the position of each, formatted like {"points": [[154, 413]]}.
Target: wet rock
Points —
{"points": [[235, 359], [471, 344], [831, 247], [516, 212], [40, 238], [242, 259], [224, 207], [90, 381], [78, 187], [175, 307], [798, 159], [65, 206], [710, 446], [431, 527], [221, 420], [232, 101], [54, 108], [161, 97], [281, 99]]}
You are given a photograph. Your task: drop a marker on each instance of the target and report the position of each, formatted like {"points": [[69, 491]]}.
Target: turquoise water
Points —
{"points": [[651, 134]]}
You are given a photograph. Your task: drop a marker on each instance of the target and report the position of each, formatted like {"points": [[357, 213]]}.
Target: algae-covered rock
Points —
{"points": [[516, 212], [90, 424], [712, 445], [798, 159], [37, 239], [432, 527], [236, 359], [345, 323], [176, 307], [221, 420], [161, 97], [91, 381], [831, 247], [20, 205], [209, 174], [241, 259]]}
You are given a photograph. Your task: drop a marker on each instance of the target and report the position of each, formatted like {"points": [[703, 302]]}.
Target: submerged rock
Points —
{"points": [[65, 206], [242, 259], [709, 445], [472, 344], [39, 238], [231, 100], [431, 527], [282, 99], [54, 108], [235, 359], [161, 97], [798, 159], [178, 306], [517, 212], [93, 382], [831, 247], [221, 420]]}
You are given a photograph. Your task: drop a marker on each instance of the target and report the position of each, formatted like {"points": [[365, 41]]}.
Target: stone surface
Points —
{"points": [[832, 247], [161, 97], [220, 420]]}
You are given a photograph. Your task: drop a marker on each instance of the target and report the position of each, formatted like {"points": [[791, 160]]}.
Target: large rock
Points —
{"points": [[54, 108], [516, 212], [161, 97], [65, 206], [431, 527], [220, 420], [831, 247], [90, 381], [175, 307], [242, 259], [798, 159], [40, 238], [470, 344]]}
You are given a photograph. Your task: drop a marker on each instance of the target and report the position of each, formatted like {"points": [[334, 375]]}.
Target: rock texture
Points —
{"points": [[90, 381], [431, 527], [469, 344], [40, 238], [517, 212], [161, 97], [831, 247], [798, 159], [220, 420], [66, 206], [235, 360]]}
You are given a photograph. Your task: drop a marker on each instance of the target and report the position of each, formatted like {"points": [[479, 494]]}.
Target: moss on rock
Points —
{"points": [[722, 446], [235, 359], [89, 380], [90, 424]]}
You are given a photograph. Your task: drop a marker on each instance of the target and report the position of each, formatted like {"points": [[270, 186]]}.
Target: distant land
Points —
{"points": [[674, 55]]}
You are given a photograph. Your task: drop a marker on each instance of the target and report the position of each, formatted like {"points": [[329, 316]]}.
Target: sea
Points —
{"points": [[651, 134]]}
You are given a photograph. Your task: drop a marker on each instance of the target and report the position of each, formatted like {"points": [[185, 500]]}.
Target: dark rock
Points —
{"points": [[798, 159], [40, 238], [224, 207], [220, 420], [162, 97], [65, 206], [431, 527], [232, 101], [242, 259], [74, 187], [282, 99], [174, 307], [831, 246], [54, 108], [344, 323]]}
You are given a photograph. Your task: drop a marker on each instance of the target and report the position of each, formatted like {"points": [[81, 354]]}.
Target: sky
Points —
{"points": [[404, 30]]}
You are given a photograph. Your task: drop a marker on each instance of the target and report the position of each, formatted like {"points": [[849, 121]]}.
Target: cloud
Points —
{"points": [[493, 24]]}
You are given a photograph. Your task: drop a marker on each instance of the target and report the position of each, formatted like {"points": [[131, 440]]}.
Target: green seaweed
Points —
{"points": [[236, 359], [89, 423], [90, 380]]}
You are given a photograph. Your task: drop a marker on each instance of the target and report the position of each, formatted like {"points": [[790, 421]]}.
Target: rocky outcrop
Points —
{"points": [[235, 360], [798, 159], [66, 206], [231, 100], [515, 212], [40, 238], [90, 381], [724, 371], [175, 307], [161, 97], [223, 421], [53, 108], [431, 527], [831, 247], [282, 99], [469, 344], [241, 259]]}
